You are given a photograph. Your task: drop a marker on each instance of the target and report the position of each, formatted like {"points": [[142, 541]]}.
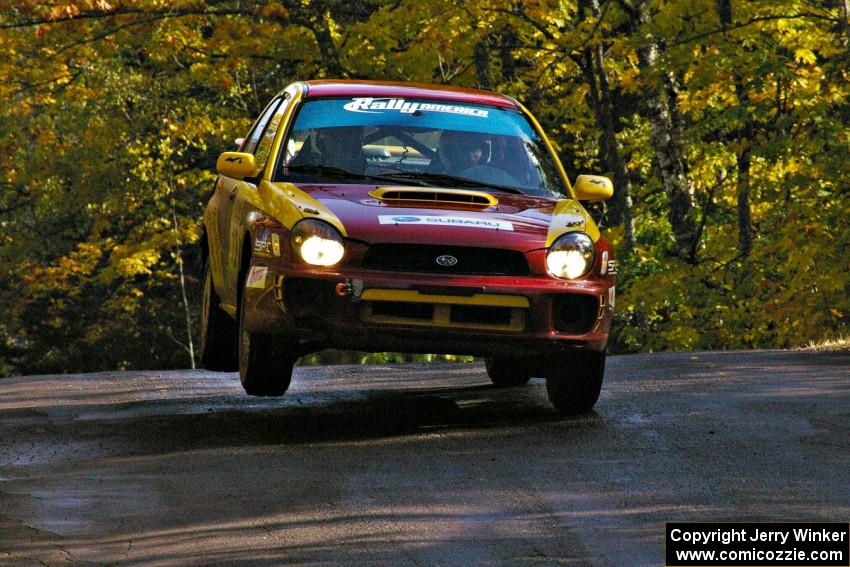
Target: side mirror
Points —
{"points": [[593, 188], [236, 165]]}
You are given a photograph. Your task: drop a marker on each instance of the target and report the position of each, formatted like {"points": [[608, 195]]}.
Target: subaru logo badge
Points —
{"points": [[446, 260]]}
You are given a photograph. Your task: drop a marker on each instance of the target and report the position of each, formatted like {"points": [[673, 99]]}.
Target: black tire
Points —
{"points": [[574, 382], [505, 372], [217, 336], [265, 361]]}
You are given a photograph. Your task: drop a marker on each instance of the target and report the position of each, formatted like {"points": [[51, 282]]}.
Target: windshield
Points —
{"points": [[421, 142]]}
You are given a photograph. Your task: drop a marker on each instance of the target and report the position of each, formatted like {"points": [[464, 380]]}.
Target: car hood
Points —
{"points": [[511, 221]]}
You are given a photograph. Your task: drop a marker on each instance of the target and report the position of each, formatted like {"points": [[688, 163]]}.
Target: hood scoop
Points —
{"points": [[404, 195]]}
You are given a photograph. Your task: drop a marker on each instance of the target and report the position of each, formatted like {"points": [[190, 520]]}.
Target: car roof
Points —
{"points": [[381, 89]]}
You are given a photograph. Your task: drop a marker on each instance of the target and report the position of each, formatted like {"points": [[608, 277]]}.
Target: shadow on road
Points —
{"points": [[378, 416], [185, 421]]}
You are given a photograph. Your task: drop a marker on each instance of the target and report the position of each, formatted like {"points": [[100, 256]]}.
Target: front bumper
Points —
{"points": [[368, 310]]}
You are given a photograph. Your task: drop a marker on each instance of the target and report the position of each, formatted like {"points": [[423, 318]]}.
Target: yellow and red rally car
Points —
{"points": [[398, 217]]}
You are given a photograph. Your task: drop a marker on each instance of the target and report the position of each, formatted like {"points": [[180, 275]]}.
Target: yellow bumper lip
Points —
{"points": [[479, 299]]}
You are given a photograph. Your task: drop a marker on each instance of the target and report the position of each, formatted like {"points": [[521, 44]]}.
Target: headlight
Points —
{"points": [[571, 255], [317, 243]]}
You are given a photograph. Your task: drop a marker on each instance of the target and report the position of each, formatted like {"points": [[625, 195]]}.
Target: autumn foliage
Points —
{"points": [[724, 124]]}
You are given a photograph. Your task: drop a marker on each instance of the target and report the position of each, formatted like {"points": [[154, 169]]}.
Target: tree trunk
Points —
{"points": [[745, 229], [481, 56], [668, 145], [593, 69], [507, 38], [187, 312], [328, 50], [845, 22], [318, 21], [743, 156]]}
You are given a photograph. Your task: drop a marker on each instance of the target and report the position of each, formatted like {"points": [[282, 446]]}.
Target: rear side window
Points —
{"points": [[250, 143], [264, 145]]}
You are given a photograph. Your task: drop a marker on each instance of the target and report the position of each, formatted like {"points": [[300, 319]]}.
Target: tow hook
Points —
{"points": [[343, 289], [350, 289]]}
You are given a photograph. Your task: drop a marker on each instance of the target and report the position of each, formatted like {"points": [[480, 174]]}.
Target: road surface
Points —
{"points": [[415, 464]]}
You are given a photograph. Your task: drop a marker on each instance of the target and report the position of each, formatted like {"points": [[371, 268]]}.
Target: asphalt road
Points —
{"points": [[415, 464]]}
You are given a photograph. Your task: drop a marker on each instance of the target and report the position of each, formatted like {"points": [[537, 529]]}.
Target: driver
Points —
{"points": [[459, 151], [338, 146]]}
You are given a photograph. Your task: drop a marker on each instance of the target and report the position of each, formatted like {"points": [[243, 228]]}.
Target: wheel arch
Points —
{"points": [[244, 264], [204, 243]]}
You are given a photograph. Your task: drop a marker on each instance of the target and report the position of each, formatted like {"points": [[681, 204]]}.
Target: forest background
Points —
{"points": [[723, 124]]}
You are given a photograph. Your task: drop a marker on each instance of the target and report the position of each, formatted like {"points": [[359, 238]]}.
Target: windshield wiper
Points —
{"points": [[333, 172], [442, 179], [326, 171], [423, 178]]}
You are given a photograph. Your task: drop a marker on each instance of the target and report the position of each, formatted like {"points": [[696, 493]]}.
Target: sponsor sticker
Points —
{"points": [[275, 244], [372, 105], [573, 220], [261, 244], [463, 222], [257, 277]]}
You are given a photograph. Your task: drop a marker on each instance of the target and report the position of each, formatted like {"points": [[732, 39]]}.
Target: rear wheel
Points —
{"points": [[217, 338], [506, 372], [265, 361], [574, 382]]}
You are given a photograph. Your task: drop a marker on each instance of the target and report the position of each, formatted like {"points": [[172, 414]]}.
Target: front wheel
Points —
{"points": [[505, 372], [574, 382], [265, 361]]}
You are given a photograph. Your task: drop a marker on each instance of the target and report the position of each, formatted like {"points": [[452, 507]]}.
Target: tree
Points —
{"points": [[723, 124]]}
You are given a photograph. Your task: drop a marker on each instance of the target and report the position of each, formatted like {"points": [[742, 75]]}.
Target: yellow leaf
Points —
{"points": [[805, 56]]}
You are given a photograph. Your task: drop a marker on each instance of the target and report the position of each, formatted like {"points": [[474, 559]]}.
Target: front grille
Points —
{"points": [[423, 258]]}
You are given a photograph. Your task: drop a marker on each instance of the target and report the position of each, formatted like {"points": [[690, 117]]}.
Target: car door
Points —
{"points": [[242, 193], [223, 202]]}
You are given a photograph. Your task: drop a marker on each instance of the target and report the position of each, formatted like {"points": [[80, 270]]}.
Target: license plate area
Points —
{"points": [[490, 312]]}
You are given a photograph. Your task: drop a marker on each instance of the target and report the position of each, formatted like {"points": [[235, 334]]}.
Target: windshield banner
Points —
{"points": [[372, 105]]}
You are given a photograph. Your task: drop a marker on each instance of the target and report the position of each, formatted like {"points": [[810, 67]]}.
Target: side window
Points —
{"points": [[253, 138], [265, 144]]}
